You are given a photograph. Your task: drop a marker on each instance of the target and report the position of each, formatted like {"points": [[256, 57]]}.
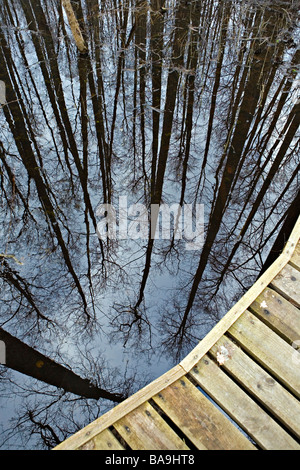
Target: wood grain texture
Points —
{"points": [[108, 419], [261, 385], [295, 259], [267, 348], [105, 440], [237, 310], [258, 424], [145, 429], [199, 419], [278, 313], [287, 284]]}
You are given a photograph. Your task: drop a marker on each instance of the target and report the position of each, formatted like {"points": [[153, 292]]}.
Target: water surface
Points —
{"points": [[172, 102]]}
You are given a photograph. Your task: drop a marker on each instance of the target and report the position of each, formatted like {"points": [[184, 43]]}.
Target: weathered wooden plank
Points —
{"points": [[145, 429], [109, 418], [275, 354], [287, 284], [295, 259], [105, 440], [278, 313], [199, 419], [266, 432], [258, 383]]}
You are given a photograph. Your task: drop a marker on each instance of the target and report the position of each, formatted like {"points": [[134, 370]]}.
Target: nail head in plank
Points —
{"points": [[260, 384], [287, 283], [199, 419], [103, 441], [275, 354], [145, 429], [237, 310], [278, 313], [116, 413], [258, 424], [103, 422]]}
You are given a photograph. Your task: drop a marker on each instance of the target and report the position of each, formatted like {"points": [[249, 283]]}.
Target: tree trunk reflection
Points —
{"points": [[168, 102]]}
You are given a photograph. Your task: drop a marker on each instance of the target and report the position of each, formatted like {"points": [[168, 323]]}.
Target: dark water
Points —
{"points": [[172, 102]]}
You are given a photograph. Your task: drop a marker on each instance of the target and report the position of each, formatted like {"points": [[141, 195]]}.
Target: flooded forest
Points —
{"points": [[161, 102]]}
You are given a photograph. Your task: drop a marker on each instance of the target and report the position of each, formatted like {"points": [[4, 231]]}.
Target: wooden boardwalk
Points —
{"points": [[238, 389]]}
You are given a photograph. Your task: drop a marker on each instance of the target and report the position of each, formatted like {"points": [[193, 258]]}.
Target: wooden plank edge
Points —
{"points": [[239, 308], [103, 422], [119, 411]]}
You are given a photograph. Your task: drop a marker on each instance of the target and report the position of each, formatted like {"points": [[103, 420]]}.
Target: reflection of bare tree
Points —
{"points": [[131, 321], [22, 286], [289, 218], [174, 102], [261, 61], [55, 414], [24, 359], [18, 128]]}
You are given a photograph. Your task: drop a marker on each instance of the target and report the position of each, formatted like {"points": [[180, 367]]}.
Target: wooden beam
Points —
{"points": [[253, 419], [268, 349], [258, 383], [199, 419], [121, 410], [74, 25], [144, 429]]}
